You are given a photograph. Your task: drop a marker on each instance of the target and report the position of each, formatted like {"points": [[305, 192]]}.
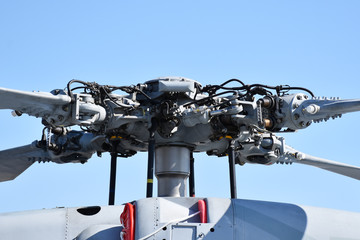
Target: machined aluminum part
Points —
{"points": [[175, 86], [172, 169]]}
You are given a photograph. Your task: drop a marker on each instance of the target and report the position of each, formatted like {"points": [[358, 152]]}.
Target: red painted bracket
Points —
{"points": [[127, 219], [203, 211]]}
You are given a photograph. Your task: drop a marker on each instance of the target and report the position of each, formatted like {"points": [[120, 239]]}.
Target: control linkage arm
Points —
{"points": [[55, 108], [61, 146], [269, 149]]}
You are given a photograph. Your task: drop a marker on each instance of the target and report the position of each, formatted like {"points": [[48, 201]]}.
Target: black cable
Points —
{"points": [[232, 80], [282, 87], [214, 88], [77, 88], [75, 81], [198, 89], [129, 90], [145, 95], [245, 87], [303, 89], [248, 88], [112, 99], [209, 98]]}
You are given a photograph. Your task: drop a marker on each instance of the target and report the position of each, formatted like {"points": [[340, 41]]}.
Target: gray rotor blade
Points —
{"points": [[332, 166], [295, 156], [15, 161], [33, 103], [79, 148]]}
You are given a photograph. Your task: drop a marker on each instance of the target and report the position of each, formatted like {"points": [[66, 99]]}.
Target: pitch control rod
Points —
{"points": [[231, 153], [192, 176], [151, 159], [114, 153]]}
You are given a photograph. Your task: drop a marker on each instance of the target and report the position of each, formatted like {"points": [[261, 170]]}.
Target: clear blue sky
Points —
{"points": [[313, 44]]}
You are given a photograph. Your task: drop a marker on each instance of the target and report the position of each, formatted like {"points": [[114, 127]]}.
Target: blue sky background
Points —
{"points": [[313, 44]]}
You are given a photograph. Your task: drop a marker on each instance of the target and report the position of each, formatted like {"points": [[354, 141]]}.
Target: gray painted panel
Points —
{"points": [[99, 232], [332, 224], [220, 213], [78, 222], [183, 232], [60, 223], [39, 225], [268, 220]]}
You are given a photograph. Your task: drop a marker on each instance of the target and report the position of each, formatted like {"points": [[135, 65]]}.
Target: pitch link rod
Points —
{"points": [[192, 176], [151, 159], [231, 154], [114, 153]]}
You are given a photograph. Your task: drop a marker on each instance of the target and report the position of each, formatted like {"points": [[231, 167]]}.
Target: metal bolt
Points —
{"points": [[312, 109]]}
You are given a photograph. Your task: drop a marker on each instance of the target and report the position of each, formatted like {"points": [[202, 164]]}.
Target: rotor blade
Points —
{"points": [[341, 106], [36, 104], [318, 110], [340, 168], [80, 147], [15, 161], [332, 166]]}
